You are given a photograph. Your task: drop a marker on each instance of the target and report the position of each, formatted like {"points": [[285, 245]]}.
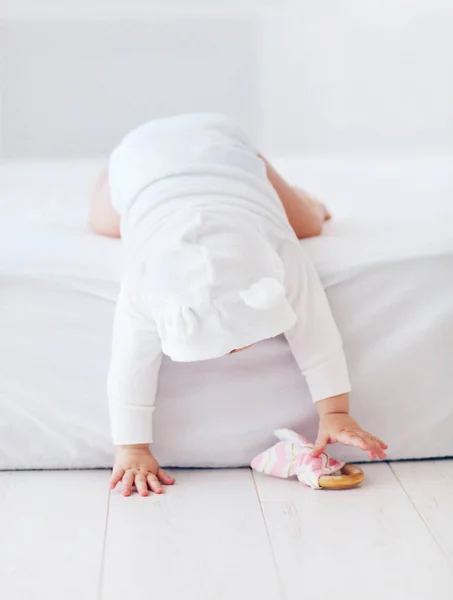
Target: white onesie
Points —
{"points": [[211, 265]]}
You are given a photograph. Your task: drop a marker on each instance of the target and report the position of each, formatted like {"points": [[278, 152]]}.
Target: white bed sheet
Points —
{"points": [[389, 281]]}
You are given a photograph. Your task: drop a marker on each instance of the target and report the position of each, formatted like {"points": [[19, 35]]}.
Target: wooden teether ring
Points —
{"points": [[350, 477]]}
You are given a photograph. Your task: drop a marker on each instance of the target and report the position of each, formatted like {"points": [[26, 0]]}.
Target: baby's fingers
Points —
{"points": [[164, 477], [116, 477], [350, 438], [128, 482], [320, 445], [370, 444], [375, 446], [382, 444], [154, 484], [141, 484]]}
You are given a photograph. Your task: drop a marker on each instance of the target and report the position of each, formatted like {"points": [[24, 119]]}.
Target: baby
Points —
{"points": [[212, 265]]}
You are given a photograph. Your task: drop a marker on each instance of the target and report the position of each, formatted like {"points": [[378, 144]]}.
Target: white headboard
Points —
{"points": [[332, 77]]}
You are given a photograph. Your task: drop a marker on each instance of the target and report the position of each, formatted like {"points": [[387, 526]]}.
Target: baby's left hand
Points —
{"points": [[341, 427]]}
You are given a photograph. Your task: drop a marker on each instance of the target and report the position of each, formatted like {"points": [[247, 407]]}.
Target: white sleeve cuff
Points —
{"points": [[330, 378], [131, 424]]}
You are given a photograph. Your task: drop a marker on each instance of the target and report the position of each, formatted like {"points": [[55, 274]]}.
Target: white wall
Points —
{"points": [[312, 77]]}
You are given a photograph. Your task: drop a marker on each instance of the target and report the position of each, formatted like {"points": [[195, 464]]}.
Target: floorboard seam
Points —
{"points": [[104, 546], [274, 558], [426, 524]]}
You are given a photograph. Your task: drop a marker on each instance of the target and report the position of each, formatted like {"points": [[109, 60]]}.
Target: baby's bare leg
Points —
{"points": [[103, 218], [306, 215]]}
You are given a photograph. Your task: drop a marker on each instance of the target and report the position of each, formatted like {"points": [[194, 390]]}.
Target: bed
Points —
{"points": [[386, 261]]}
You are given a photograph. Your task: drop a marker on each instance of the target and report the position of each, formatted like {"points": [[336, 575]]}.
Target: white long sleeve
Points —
{"points": [[134, 371], [314, 340]]}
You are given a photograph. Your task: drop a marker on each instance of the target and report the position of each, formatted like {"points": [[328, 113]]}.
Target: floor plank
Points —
{"points": [[52, 527], [205, 539], [364, 543], [429, 484]]}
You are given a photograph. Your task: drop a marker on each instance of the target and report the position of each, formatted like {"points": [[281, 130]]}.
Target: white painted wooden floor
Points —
{"points": [[230, 535]]}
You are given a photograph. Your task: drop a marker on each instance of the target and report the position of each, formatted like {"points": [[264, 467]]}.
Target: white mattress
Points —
{"points": [[389, 280]]}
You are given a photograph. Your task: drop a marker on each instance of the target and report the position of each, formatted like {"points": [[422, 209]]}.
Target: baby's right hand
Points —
{"points": [[136, 465]]}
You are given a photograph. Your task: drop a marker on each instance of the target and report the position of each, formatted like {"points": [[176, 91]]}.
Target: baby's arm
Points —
{"points": [[132, 384], [318, 349], [306, 215]]}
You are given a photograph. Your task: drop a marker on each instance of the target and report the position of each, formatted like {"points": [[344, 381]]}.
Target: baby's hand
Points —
{"points": [[341, 427], [136, 465]]}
